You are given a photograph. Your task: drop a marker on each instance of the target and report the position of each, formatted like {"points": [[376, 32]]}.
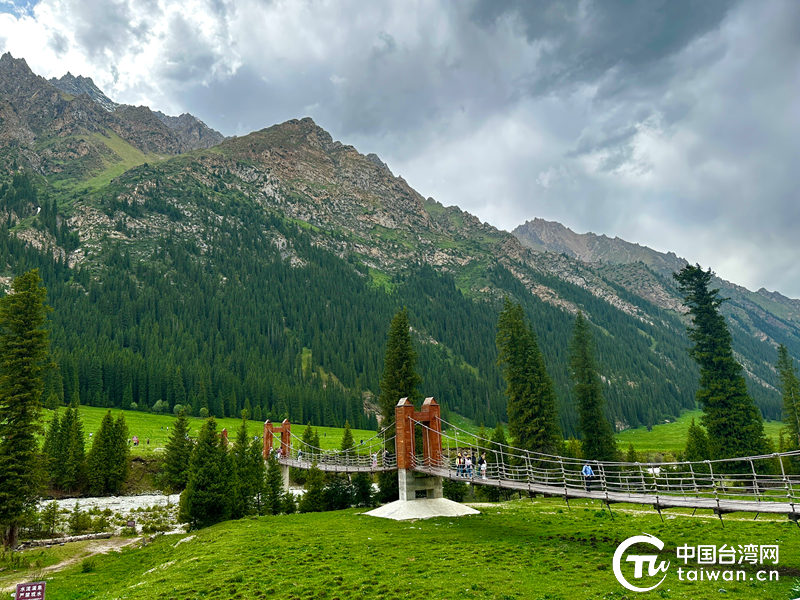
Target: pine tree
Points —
{"points": [[790, 390], [313, 500], [243, 485], [347, 439], [532, 412], [309, 443], [70, 462], [630, 456], [23, 350], [597, 442], [99, 457], [731, 419], [177, 454], [120, 455], [696, 443], [127, 397], [258, 474], [362, 490], [273, 501], [50, 448], [206, 499], [399, 378], [497, 445], [108, 459]]}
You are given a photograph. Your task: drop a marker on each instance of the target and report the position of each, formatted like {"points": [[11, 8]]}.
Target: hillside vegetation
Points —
{"points": [[517, 550], [262, 274]]}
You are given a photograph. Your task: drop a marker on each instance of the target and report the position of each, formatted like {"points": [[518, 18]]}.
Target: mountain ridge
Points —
{"points": [[291, 206]]}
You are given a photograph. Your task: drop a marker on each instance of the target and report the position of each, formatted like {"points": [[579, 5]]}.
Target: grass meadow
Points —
{"points": [[671, 437], [156, 428], [519, 550]]}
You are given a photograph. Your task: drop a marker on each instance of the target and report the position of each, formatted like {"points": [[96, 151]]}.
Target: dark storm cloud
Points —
{"points": [[583, 40], [670, 123], [59, 43], [187, 58]]}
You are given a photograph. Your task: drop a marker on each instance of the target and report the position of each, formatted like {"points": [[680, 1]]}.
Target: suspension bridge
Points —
{"points": [[754, 484]]}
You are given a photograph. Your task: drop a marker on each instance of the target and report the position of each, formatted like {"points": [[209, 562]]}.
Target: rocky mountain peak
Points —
{"points": [[84, 85], [14, 71], [375, 159], [192, 132]]}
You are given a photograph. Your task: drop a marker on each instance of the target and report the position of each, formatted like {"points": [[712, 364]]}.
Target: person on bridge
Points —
{"points": [[482, 465], [468, 465], [587, 475], [300, 454], [459, 465], [374, 460]]}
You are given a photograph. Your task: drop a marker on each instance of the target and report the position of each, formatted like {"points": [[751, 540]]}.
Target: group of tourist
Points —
{"points": [[466, 462]]}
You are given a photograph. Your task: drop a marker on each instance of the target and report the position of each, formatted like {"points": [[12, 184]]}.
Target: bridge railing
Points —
{"points": [[757, 478], [343, 459], [368, 454]]}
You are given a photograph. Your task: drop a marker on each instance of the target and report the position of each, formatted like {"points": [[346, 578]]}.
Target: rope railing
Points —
{"points": [[366, 455], [753, 479]]}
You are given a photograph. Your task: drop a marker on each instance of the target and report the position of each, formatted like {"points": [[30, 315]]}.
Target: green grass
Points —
{"points": [[379, 279], [518, 550], [130, 157], [127, 157], [153, 426], [671, 437]]}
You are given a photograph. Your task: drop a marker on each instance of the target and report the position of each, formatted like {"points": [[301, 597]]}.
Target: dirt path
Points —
{"points": [[93, 548]]}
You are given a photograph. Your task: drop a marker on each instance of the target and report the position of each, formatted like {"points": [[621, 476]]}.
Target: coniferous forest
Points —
{"points": [[226, 321]]}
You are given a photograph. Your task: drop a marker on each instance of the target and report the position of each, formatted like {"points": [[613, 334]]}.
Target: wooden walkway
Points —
{"points": [[338, 464], [659, 502]]}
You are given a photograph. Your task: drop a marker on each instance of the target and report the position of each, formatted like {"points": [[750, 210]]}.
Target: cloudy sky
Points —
{"points": [[670, 123]]}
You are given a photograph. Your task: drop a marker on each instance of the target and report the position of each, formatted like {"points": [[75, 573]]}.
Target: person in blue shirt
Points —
{"points": [[588, 474]]}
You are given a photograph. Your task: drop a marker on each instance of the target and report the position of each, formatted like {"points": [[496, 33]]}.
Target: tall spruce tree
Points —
{"points": [[597, 441], [243, 482], [314, 498], [108, 459], [120, 455], [99, 457], [790, 390], [273, 498], [731, 419], [207, 499], [23, 352], [69, 460], [347, 438], [177, 454], [696, 443], [532, 410], [258, 473], [50, 447], [399, 378]]}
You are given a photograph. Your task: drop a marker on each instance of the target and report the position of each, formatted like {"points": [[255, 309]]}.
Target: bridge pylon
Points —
{"points": [[414, 485]]}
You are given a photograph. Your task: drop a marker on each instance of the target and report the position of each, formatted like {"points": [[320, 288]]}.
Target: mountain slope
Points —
{"points": [[81, 140], [264, 271], [760, 316]]}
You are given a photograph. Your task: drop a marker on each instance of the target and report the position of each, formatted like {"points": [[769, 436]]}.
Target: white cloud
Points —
{"points": [[682, 136]]}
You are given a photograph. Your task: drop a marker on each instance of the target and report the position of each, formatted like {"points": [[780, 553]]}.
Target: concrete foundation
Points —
{"points": [[285, 477], [423, 508], [415, 486]]}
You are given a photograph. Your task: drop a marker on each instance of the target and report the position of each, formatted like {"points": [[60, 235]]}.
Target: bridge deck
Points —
{"points": [[659, 502], [336, 468]]}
